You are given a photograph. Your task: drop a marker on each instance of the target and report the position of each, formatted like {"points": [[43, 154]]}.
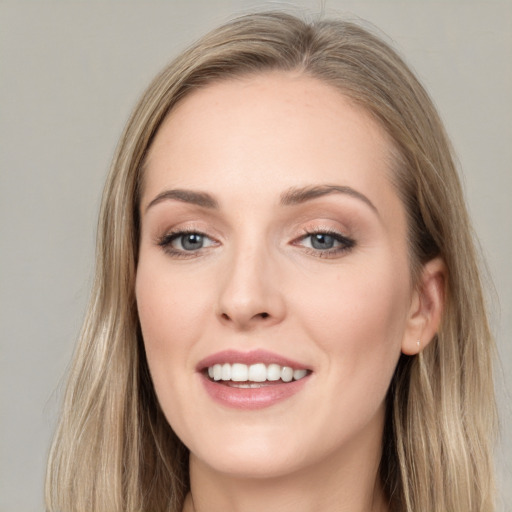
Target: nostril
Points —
{"points": [[241, 318]]}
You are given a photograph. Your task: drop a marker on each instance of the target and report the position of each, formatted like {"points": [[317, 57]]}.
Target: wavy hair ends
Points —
{"points": [[114, 451]]}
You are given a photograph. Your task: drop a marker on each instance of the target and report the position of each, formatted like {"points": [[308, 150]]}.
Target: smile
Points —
{"points": [[251, 380], [254, 373]]}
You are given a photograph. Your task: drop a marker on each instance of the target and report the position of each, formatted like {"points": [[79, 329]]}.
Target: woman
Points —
{"points": [[287, 309]]}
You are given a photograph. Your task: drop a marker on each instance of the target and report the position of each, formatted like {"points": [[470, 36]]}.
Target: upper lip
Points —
{"points": [[251, 357]]}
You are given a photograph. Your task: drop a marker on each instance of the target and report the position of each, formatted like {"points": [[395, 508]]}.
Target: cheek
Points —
{"points": [[169, 309], [357, 317], [167, 302]]}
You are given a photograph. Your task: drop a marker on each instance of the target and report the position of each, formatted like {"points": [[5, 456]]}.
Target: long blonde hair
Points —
{"points": [[114, 451]]}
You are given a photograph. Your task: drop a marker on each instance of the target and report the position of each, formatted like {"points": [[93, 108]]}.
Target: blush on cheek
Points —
{"points": [[356, 317]]}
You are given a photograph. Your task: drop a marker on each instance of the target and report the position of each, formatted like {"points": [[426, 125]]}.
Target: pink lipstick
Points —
{"points": [[251, 380]]}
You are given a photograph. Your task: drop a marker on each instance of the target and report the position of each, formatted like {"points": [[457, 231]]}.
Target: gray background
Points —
{"points": [[69, 74]]}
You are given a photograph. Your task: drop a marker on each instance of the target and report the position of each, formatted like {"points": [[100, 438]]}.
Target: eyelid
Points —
{"points": [[342, 242], [165, 242], [346, 243], [182, 224]]}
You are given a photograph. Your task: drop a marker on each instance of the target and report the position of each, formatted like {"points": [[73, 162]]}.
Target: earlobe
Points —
{"points": [[427, 306]]}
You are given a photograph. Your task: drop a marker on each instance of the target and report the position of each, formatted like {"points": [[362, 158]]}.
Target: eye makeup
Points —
{"points": [[325, 243], [192, 242]]}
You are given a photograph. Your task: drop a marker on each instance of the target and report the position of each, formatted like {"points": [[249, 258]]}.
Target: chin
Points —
{"points": [[252, 461], [263, 451]]}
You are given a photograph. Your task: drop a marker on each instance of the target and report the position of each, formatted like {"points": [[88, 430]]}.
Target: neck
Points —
{"points": [[328, 486]]}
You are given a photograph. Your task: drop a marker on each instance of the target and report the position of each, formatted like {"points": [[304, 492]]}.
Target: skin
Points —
{"points": [[258, 283]]}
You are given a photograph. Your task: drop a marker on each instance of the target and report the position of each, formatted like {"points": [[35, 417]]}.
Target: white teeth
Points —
{"points": [[287, 374], [239, 372], [257, 372], [254, 373], [298, 374], [226, 371], [273, 372]]}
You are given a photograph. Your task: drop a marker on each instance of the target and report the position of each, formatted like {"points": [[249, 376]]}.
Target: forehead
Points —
{"points": [[275, 129]]}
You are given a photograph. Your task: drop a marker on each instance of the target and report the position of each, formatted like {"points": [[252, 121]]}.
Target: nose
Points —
{"points": [[250, 295]]}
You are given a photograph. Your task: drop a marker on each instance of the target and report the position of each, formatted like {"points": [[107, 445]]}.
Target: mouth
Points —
{"points": [[251, 380], [253, 376]]}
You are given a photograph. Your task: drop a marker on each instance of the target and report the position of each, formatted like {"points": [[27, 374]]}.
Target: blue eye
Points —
{"points": [[190, 241], [325, 243], [322, 241], [182, 242]]}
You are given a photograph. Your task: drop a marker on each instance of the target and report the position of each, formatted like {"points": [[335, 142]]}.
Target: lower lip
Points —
{"points": [[252, 398]]}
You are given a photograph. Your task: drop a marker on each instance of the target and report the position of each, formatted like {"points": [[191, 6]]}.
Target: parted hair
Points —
{"points": [[114, 451]]}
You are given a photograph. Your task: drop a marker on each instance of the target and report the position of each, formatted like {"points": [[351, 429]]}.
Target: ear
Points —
{"points": [[427, 306]]}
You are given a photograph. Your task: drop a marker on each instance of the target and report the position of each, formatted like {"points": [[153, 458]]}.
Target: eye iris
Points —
{"points": [[191, 241], [322, 241]]}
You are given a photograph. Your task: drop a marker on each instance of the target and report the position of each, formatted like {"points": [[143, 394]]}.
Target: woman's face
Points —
{"points": [[273, 247]]}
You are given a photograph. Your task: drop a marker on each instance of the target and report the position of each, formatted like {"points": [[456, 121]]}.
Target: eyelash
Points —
{"points": [[166, 240], [346, 243]]}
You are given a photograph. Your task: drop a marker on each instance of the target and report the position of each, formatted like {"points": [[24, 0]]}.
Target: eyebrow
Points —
{"points": [[186, 196], [291, 197], [301, 195]]}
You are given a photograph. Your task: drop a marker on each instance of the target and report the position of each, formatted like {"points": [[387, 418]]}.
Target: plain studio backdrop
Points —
{"points": [[70, 72]]}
